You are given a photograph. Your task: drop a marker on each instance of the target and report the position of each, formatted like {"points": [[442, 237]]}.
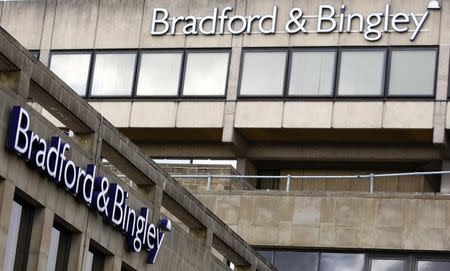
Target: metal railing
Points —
{"points": [[289, 178]]}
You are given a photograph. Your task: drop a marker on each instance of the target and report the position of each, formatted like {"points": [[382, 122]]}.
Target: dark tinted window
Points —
{"points": [[341, 261], [296, 261]]}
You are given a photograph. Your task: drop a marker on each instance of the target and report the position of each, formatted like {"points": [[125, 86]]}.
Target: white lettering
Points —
{"points": [[156, 21], [418, 24], [326, 18]]}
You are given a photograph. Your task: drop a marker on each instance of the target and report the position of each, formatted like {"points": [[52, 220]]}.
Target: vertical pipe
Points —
{"points": [[372, 183], [288, 183], [208, 184]]}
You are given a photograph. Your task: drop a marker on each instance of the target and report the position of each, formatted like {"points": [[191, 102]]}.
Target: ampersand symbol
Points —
{"points": [[295, 16], [102, 199]]}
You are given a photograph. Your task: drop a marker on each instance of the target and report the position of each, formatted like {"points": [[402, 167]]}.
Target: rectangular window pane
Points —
{"points": [[58, 255], [206, 74], [73, 69], [113, 74], [312, 73], [263, 73], [267, 254], [433, 266], [35, 54], [412, 72], [19, 236], [341, 261], [159, 74], [95, 260], [53, 250], [296, 261], [387, 265], [89, 261], [361, 73], [13, 236]]}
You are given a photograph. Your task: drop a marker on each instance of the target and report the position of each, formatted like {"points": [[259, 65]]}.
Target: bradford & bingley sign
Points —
{"points": [[108, 199], [328, 19]]}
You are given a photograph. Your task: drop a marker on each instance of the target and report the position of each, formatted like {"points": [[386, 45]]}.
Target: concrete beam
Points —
{"points": [[187, 150], [342, 153], [231, 136]]}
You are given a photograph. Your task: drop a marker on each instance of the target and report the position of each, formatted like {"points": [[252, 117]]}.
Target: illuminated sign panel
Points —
{"points": [[108, 199]]}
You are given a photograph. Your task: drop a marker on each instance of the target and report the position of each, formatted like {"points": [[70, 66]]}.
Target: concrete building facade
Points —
{"points": [[284, 88], [62, 223]]}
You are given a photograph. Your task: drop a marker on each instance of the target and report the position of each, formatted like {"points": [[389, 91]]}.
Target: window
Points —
{"points": [[387, 265], [433, 265], [361, 73], [263, 73], [73, 69], [95, 260], [113, 74], [412, 72], [58, 255], [35, 53], [18, 238], [205, 74], [312, 73], [267, 254], [296, 261], [159, 74], [341, 261], [126, 267]]}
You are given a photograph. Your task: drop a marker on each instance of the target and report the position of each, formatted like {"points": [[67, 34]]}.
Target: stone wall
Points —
{"points": [[333, 220], [199, 184]]}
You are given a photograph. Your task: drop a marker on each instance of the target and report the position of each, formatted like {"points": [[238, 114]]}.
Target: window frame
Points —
{"points": [[383, 71], [291, 52], [138, 69], [183, 75], [113, 52], [138, 54], [99, 253], [263, 50], [385, 256], [24, 233], [384, 94], [411, 49], [429, 258], [67, 235], [284, 96], [76, 52]]}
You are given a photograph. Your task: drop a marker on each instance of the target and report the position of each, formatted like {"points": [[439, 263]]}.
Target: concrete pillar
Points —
{"points": [[445, 178], [40, 239], [206, 237], [47, 31], [154, 194], [85, 252], [76, 254], [245, 167], [17, 81], [23, 87], [6, 199]]}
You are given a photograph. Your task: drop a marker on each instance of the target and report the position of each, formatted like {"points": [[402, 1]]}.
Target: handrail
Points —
{"points": [[370, 176]]}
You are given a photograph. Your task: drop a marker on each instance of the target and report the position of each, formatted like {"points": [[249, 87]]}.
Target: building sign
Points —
{"points": [[329, 19], [108, 199]]}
